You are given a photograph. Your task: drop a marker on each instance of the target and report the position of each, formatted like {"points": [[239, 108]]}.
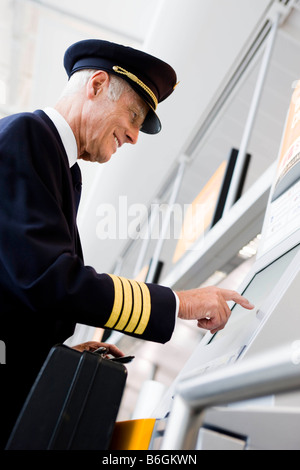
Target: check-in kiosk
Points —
{"points": [[273, 286]]}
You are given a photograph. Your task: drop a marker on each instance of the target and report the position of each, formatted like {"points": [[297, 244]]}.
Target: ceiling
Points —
{"points": [[36, 32]]}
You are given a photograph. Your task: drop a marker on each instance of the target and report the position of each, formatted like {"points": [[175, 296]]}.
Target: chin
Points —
{"points": [[95, 158], [105, 159]]}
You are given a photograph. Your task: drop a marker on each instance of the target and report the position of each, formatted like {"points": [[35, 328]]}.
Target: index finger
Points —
{"points": [[236, 297]]}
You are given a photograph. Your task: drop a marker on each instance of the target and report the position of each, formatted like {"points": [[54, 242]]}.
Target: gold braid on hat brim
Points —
{"points": [[139, 82]]}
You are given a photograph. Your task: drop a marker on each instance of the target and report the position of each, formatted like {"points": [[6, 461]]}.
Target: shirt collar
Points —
{"points": [[66, 134]]}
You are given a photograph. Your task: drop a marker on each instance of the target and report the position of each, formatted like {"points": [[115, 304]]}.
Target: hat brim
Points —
{"points": [[151, 124]]}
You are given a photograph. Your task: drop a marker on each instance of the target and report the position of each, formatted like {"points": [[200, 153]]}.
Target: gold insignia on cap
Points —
{"points": [[135, 79]]}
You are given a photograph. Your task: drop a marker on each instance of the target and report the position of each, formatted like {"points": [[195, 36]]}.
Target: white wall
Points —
{"points": [[201, 39]]}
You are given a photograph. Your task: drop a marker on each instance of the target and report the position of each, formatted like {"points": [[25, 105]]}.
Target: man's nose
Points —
{"points": [[132, 135]]}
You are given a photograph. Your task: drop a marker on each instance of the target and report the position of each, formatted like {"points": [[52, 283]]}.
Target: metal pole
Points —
{"points": [[252, 115], [165, 226], [182, 427]]}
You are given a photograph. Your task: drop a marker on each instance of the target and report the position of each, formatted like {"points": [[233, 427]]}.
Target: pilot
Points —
{"points": [[45, 287]]}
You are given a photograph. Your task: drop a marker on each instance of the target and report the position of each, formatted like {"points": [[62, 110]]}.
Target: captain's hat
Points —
{"points": [[153, 79]]}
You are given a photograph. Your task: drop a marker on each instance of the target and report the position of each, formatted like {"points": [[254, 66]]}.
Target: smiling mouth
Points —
{"points": [[117, 141]]}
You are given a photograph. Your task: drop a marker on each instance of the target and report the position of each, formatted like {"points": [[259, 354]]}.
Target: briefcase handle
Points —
{"points": [[123, 360]]}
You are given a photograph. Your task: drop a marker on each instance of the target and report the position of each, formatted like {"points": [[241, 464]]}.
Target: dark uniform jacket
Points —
{"points": [[45, 288]]}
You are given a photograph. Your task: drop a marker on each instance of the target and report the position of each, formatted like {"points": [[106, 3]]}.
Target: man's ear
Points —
{"points": [[98, 81]]}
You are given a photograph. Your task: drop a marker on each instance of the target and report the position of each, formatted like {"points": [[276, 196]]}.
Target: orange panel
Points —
{"points": [[132, 435]]}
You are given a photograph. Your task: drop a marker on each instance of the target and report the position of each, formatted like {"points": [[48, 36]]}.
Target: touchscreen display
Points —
{"points": [[256, 292]]}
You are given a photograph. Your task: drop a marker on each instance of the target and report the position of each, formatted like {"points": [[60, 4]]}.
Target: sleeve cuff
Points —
{"points": [[177, 305]]}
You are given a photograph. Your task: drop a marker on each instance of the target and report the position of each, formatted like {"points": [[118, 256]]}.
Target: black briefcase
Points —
{"points": [[73, 404]]}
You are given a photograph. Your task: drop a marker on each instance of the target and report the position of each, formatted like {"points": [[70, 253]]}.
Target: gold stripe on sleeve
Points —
{"points": [[118, 302], [146, 309], [137, 307], [127, 305], [133, 299]]}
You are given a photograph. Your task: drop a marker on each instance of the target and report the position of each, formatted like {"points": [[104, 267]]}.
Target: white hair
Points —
{"points": [[117, 86]]}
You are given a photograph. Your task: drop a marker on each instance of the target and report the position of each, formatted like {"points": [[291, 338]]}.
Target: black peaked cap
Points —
{"points": [[150, 77]]}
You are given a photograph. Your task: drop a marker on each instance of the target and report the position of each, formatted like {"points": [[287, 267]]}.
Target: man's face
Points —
{"points": [[109, 124]]}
